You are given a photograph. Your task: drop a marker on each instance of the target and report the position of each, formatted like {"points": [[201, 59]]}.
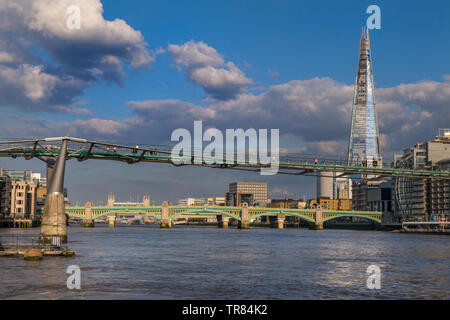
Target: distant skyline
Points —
{"points": [[137, 70]]}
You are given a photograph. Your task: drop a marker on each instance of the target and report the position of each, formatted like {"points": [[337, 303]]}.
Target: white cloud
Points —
{"points": [[328, 147], [46, 23], [36, 84], [6, 57], [193, 55], [30, 87], [314, 115], [97, 51], [207, 68]]}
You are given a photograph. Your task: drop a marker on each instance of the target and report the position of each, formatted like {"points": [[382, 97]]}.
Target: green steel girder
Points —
{"points": [[125, 212], [201, 211], [350, 215], [73, 214], [289, 214], [72, 211], [163, 156]]}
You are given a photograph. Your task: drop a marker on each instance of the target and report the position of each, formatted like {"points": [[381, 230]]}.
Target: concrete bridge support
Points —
{"points": [[165, 221], [277, 221], [112, 221], [223, 222], [245, 218], [147, 220], [280, 222], [87, 221], [318, 220], [54, 217]]}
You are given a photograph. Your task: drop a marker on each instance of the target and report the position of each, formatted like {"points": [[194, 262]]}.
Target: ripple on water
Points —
{"points": [[142, 262]]}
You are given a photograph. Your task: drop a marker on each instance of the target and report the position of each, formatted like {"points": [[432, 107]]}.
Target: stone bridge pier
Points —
{"points": [[87, 220], [223, 221], [318, 219], [147, 220], [277, 221], [112, 221], [280, 221], [165, 221], [245, 217]]}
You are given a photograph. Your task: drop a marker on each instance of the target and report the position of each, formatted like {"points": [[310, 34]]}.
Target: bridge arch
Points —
{"points": [[378, 220], [287, 213], [207, 211], [73, 214], [126, 211]]}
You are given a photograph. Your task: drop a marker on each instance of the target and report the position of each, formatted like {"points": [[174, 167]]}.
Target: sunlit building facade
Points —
{"points": [[364, 144], [418, 198], [253, 193]]}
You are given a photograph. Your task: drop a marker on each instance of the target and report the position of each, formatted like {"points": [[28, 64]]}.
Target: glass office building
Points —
{"points": [[364, 140]]}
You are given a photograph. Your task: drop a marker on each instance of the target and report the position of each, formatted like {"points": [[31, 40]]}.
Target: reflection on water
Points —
{"points": [[145, 262]]}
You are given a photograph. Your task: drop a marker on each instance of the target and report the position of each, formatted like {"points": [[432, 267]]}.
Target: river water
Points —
{"points": [[189, 262]]}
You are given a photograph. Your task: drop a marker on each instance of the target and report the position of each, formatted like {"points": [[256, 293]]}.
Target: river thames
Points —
{"points": [[201, 262]]}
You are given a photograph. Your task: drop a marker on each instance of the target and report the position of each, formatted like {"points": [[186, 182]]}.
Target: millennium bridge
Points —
{"points": [[166, 214], [48, 149], [55, 151]]}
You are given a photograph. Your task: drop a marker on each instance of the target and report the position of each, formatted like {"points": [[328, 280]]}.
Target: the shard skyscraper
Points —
{"points": [[364, 141], [364, 145]]}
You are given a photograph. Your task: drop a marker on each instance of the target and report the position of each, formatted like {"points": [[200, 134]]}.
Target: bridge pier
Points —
{"points": [[147, 220], [277, 221], [112, 221], [87, 221], [165, 221], [245, 218], [223, 222], [280, 223], [54, 217], [318, 220]]}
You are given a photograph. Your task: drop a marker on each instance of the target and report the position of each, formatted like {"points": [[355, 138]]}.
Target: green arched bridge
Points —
{"points": [[244, 214]]}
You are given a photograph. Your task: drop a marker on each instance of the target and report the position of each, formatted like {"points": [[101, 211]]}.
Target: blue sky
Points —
{"points": [[297, 39], [295, 60]]}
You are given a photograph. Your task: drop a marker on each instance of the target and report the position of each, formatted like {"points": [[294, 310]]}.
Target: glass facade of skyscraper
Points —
{"points": [[364, 139]]}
